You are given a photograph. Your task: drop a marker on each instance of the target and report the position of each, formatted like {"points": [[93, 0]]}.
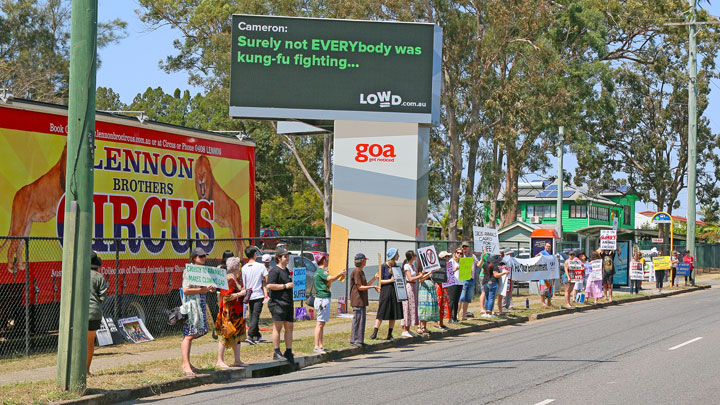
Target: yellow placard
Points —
{"points": [[338, 250], [662, 263]]}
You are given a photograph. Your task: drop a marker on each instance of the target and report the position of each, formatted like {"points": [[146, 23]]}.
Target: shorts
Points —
{"points": [[578, 286], [94, 324], [467, 291], [607, 279], [322, 309], [281, 312]]}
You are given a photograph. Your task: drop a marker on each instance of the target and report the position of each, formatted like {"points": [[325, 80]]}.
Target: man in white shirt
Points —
{"points": [[253, 277]]}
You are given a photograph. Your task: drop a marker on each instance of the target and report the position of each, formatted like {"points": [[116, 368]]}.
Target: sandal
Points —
{"points": [[241, 364]]}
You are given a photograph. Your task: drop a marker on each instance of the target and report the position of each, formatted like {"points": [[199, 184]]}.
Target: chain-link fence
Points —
{"points": [[707, 257]]}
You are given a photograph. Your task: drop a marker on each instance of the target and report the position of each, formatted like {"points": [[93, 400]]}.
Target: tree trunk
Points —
{"points": [[455, 177], [258, 216], [495, 183], [327, 172], [511, 189], [469, 212]]}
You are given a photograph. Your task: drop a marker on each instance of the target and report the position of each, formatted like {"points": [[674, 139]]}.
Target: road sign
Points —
{"points": [[661, 218]]}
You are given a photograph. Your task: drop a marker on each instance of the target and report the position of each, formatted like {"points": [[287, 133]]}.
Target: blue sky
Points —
{"points": [[131, 66]]}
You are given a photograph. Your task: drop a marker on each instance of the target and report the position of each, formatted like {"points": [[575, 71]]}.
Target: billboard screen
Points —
{"points": [[306, 68]]}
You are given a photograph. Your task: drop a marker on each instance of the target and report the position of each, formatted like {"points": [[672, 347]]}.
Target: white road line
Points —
{"points": [[545, 402], [686, 343]]}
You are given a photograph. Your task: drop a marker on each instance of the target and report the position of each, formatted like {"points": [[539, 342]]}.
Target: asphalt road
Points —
{"points": [[618, 355]]}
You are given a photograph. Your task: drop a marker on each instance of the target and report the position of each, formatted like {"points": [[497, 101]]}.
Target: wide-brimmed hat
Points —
{"points": [[391, 253], [444, 254]]}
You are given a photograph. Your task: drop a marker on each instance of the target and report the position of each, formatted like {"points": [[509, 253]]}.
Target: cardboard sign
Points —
{"points": [[300, 283], [684, 269], [108, 333], [662, 263], [133, 329], [338, 250], [429, 259], [576, 270], [608, 239], [637, 271], [466, 267], [486, 239], [596, 273], [205, 276], [400, 291]]}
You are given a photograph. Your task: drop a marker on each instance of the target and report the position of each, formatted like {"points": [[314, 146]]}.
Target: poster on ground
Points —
{"points": [[466, 267], [576, 270], [400, 291], [486, 239], [299, 283], [428, 259], [205, 276], [134, 330], [608, 239], [637, 271]]}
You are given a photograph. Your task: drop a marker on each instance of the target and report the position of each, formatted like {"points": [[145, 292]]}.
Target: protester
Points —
{"points": [[389, 308], [546, 286], [659, 278], [455, 286], [280, 285], [98, 294], [507, 299], [594, 284], [577, 289], [483, 259], [427, 302], [636, 261], [359, 299], [569, 285], [504, 282], [442, 295], [322, 281], [253, 278], [195, 306], [689, 259], [226, 255], [230, 320], [491, 278], [608, 270], [674, 280], [468, 287], [410, 305]]}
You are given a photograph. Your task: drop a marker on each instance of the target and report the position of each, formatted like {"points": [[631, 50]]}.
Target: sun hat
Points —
{"points": [[391, 253]]}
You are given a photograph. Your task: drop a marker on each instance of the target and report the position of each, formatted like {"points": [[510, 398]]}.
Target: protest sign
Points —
{"points": [[466, 267], [486, 239], [662, 263], [608, 239], [428, 259], [133, 329], [637, 271], [204, 276], [300, 283], [649, 271], [536, 268], [596, 272], [576, 270], [683, 269], [400, 290], [108, 334], [342, 309], [338, 250]]}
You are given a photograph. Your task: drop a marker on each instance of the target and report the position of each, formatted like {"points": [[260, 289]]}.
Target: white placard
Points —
{"points": [[400, 290], [596, 273], [544, 267], [608, 239], [104, 337], [428, 259], [204, 276], [636, 271], [486, 239]]}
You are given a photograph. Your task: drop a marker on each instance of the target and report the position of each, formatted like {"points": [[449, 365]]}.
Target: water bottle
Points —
{"points": [[527, 303]]}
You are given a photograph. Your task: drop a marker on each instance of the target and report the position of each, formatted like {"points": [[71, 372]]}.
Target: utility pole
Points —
{"points": [[75, 291], [561, 181], [692, 132]]}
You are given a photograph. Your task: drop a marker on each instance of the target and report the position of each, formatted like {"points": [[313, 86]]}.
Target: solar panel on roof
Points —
{"points": [[551, 187], [568, 193]]}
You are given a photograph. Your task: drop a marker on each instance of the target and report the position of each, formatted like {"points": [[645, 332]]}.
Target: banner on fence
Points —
{"points": [[543, 267], [637, 271], [205, 276], [576, 270], [400, 291], [662, 263], [134, 330], [429, 259], [608, 239], [486, 239], [299, 283], [684, 269], [466, 267]]}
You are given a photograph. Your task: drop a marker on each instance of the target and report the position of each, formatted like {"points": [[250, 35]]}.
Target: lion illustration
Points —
{"points": [[35, 202], [227, 211]]}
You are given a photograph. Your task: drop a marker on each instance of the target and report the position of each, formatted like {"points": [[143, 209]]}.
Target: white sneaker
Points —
{"points": [[406, 334], [485, 316]]}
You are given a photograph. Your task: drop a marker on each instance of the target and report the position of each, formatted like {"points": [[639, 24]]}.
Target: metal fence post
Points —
{"points": [[27, 297], [117, 271]]}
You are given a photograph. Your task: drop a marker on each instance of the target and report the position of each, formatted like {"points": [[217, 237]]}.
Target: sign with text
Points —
{"points": [[535, 268], [311, 68], [596, 270], [400, 291], [576, 270], [300, 283], [637, 271], [466, 267], [486, 239], [684, 269], [662, 263], [204, 276], [428, 259], [656, 240], [608, 239]]}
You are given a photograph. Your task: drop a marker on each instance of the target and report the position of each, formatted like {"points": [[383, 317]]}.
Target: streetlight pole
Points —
{"points": [[558, 209], [692, 132]]}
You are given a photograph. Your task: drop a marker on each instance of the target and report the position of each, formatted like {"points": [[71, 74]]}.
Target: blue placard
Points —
{"points": [[300, 283], [684, 269]]}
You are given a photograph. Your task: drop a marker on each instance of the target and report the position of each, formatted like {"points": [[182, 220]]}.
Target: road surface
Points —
{"points": [[654, 352]]}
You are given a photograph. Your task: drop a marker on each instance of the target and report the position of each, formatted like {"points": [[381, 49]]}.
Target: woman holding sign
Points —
{"points": [[322, 281], [594, 282], [636, 272], [230, 320], [569, 277], [194, 303], [410, 305], [389, 308], [455, 286]]}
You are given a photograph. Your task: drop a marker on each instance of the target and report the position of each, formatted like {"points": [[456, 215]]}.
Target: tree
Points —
{"points": [[107, 100]]}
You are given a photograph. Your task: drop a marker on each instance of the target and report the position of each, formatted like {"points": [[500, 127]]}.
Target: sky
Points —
{"points": [[132, 65]]}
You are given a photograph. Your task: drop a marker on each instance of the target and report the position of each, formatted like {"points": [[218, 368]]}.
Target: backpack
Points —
{"points": [[607, 264]]}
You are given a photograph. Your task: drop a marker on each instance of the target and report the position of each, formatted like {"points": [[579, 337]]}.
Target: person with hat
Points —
{"points": [[281, 306], [98, 294], [508, 261], [582, 257], [410, 305], [503, 286], [428, 310], [455, 286], [491, 279], [389, 307], [570, 285], [359, 299], [441, 291], [195, 307], [322, 280], [253, 277], [468, 286]]}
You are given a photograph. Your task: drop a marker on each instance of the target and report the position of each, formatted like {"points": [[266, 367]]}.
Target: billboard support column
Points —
{"points": [[380, 179], [75, 290]]}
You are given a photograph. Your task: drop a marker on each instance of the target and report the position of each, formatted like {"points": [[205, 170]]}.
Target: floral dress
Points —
{"points": [[195, 308], [410, 305], [231, 312], [427, 302]]}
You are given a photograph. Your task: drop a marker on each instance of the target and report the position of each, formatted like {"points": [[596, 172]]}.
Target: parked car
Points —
{"points": [[272, 242], [314, 244], [297, 261]]}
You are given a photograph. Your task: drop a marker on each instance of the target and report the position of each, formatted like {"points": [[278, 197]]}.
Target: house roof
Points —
{"points": [[545, 191], [675, 217], [516, 224]]}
